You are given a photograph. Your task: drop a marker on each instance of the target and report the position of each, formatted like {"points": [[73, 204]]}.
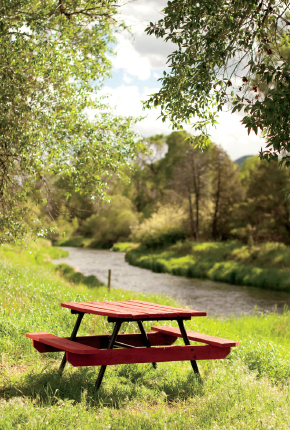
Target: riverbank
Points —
{"points": [[264, 266], [244, 391]]}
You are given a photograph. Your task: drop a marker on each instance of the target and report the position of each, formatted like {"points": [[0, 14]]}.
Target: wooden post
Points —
{"points": [[109, 280]]}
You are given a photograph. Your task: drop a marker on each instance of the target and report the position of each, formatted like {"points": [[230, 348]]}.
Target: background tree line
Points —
{"points": [[176, 192]]}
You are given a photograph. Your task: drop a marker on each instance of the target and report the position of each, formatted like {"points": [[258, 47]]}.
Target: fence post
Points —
{"points": [[109, 280]]}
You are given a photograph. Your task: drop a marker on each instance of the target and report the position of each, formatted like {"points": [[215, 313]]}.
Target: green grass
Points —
{"points": [[248, 390], [81, 242], [265, 266], [124, 246]]}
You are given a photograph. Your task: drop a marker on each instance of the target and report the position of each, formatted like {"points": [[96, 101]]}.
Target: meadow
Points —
{"points": [[248, 390], [265, 265]]}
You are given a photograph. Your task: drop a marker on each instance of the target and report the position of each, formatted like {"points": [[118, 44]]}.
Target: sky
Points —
{"points": [[139, 62]]}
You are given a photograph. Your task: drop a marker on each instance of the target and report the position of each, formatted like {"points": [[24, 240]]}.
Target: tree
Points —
{"points": [[53, 62], [225, 54], [226, 191], [190, 179], [265, 208]]}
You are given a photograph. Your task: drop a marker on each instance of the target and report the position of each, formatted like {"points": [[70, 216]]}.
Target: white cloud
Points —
{"points": [[127, 79], [133, 51], [229, 133], [130, 60]]}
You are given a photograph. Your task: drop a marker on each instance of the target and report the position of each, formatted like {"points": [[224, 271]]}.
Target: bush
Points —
{"points": [[112, 224], [124, 246], [70, 275], [78, 242], [165, 227]]}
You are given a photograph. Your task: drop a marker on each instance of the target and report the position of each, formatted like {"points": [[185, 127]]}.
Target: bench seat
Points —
{"points": [[60, 344], [198, 337], [79, 354], [45, 342]]}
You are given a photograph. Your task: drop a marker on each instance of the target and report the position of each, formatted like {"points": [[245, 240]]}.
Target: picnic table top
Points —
{"points": [[133, 309]]}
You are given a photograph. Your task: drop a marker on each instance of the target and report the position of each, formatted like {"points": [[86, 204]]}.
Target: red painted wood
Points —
{"points": [[131, 309], [148, 355], [135, 339], [145, 308], [198, 337], [41, 347], [86, 308], [62, 344]]}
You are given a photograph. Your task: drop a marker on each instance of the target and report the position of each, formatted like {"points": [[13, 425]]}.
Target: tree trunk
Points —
{"points": [[192, 231], [215, 215], [197, 216]]}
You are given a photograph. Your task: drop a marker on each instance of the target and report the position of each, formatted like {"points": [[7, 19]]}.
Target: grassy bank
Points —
{"points": [[265, 265], [124, 246], [82, 242], [248, 390]]}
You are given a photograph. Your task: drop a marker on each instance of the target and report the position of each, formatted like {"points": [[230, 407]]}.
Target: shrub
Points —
{"points": [[165, 227], [124, 246], [69, 273], [112, 224]]}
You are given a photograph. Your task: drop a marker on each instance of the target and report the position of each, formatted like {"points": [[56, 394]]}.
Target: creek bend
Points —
{"points": [[200, 294]]}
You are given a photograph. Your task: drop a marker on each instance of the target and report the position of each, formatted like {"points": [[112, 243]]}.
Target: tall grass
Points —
{"points": [[248, 390], [265, 266]]}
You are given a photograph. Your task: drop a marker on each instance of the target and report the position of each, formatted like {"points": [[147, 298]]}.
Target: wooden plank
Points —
{"points": [[148, 355], [146, 310], [102, 341], [198, 337], [87, 308], [124, 310], [165, 308], [134, 339], [41, 347], [62, 344], [134, 309]]}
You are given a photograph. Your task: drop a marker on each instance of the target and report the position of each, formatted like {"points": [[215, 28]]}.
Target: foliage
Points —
{"points": [[113, 223], [247, 169], [265, 207], [226, 53], [220, 201], [74, 241], [163, 228], [52, 120], [76, 277], [226, 192], [124, 247], [264, 266], [191, 180], [246, 389]]}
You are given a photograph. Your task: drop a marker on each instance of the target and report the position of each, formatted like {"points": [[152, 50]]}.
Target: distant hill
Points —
{"points": [[241, 160]]}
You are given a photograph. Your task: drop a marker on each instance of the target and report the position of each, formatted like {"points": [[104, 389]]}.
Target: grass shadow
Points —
{"points": [[121, 384]]}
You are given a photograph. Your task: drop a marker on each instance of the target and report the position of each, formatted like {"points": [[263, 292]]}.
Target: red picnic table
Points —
{"points": [[152, 347]]}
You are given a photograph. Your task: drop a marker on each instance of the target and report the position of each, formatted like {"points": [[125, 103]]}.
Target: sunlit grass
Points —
{"points": [[248, 390], [265, 266]]}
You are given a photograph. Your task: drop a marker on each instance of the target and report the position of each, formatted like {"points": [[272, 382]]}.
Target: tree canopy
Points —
{"points": [[52, 121], [229, 54]]}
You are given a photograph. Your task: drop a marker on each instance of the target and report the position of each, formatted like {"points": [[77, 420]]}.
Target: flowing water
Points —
{"points": [[213, 297]]}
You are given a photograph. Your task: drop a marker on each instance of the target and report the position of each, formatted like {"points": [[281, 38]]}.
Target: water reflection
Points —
{"points": [[214, 297]]}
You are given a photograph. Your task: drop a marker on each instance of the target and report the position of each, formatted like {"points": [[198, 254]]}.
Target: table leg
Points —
{"points": [[73, 336], [186, 341], [111, 344], [145, 339]]}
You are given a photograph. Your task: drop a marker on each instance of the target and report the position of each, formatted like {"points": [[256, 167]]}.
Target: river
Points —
{"points": [[214, 297]]}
